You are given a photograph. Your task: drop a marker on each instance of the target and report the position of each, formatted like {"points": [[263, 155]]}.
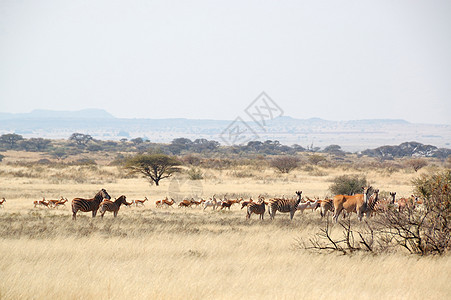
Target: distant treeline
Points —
{"points": [[81, 143]]}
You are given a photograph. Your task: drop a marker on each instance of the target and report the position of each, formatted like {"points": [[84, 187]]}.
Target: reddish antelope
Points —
{"points": [[356, 203], [41, 203], [140, 202], [2, 201]]}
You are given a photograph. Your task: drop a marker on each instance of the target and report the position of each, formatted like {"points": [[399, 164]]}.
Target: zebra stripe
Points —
{"points": [[284, 205], [85, 205]]}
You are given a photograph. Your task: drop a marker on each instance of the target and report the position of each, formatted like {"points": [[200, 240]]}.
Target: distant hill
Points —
{"points": [[351, 135], [90, 113]]}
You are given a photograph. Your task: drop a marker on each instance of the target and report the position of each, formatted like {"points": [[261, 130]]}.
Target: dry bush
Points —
{"points": [[416, 163], [285, 164]]}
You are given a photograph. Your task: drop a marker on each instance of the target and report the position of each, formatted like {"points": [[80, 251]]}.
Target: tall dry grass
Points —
{"points": [[191, 253]]}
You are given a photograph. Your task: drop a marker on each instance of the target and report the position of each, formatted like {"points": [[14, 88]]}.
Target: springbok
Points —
{"points": [[356, 203], [211, 202], [41, 203], [140, 202]]}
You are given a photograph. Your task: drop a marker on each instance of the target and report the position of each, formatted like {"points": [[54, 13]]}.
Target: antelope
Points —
{"points": [[407, 202], [357, 203], [114, 207], [61, 202], [326, 205], [41, 203], [140, 202], [2, 201], [185, 203], [167, 202], [384, 204], [85, 205], [246, 203], [212, 202], [197, 203]]}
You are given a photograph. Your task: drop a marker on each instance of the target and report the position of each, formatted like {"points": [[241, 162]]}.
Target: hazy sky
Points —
{"points": [[336, 60]]}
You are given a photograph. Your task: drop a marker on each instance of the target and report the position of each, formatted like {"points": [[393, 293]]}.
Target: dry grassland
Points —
{"points": [[149, 253]]}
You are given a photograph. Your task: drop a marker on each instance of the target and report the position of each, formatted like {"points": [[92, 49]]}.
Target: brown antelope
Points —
{"points": [[246, 203], [197, 203], [140, 202], [41, 203], [185, 203], [2, 201], [326, 205], [407, 202], [356, 203], [112, 206], [61, 203], [168, 202], [383, 204], [85, 205]]}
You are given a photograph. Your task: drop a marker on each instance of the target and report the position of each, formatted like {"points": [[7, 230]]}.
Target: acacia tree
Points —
{"points": [[285, 164], [80, 139], [154, 167], [417, 163]]}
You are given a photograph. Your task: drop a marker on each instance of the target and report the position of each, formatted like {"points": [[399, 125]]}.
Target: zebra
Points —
{"points": [[85, 205], [257, 208], [284, 206], [108, 205]]}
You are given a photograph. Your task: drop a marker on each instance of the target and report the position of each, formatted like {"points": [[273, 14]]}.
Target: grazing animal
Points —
{"points": [[212, 202], [167, 202], [112, 206], [357, 203], [226, 204], [85, 205], [326, 205], [52, 203], [140, 202], [383, 204], [197, 203], [407, 202], [2, 201], [185, 203], [257, 208], [61, 202], [246, 203], [284, 205], [41, 203]]}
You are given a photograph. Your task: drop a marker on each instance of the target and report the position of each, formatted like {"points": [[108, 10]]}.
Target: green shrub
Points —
{"points": [[348, 184]]}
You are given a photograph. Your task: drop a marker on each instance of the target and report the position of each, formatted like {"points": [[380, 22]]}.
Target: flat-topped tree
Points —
{"points": [[154, 167]]}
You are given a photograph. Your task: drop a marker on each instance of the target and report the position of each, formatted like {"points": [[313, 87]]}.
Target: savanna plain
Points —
{"points": [[192, 253]]}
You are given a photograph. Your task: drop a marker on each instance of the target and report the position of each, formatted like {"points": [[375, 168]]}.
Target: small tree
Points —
{"points": [[154, 167], [10, 140], [315, 159], [80, 139], [417, 163], [285, 164], [348, 184]]}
